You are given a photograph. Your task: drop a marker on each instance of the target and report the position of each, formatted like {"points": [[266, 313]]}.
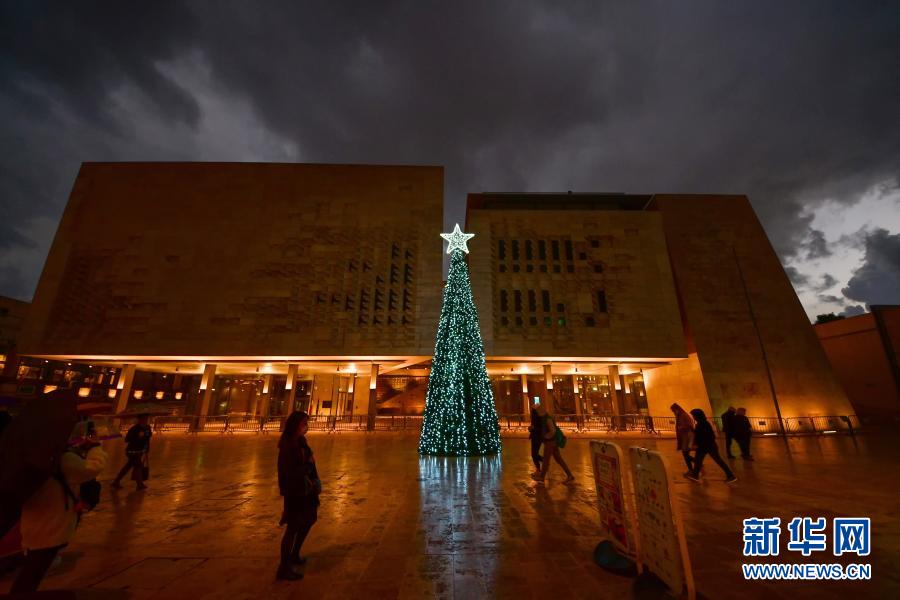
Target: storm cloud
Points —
{"points": [[877, 281], [793, 104]]}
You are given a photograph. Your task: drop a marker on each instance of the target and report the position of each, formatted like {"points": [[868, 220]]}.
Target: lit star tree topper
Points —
{"points": [[460, 416]]}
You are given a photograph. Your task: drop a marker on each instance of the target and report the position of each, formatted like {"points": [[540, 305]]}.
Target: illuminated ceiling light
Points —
{"points": [[138, 394], [159, 395], [178, 395], [111, 393], [84, 392]]}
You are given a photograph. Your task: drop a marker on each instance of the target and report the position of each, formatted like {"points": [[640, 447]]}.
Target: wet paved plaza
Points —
{"points": [[394, 525]]}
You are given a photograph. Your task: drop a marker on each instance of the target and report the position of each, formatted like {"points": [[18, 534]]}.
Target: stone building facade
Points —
{"points": [[233, 288]]}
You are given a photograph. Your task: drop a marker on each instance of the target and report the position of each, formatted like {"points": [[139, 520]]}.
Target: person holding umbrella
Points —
{"points": [[137, 451]]}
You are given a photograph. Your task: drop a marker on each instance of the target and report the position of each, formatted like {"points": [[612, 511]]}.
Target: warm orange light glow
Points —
{"points": [[291, 377], [209, 372], [373, 380], [575, 383], [84, 392], [49, 388], [159, 395], [524, 384], [548, 377], [138, 394], [111, 393], [178, 395], [352, 384]]}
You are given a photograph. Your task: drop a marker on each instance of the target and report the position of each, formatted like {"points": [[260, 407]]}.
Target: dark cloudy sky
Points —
{"points": [[796, 104]]}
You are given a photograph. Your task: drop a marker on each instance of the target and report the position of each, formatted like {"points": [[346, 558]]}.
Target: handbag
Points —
{"points": [[560, 437], [312, 486]]}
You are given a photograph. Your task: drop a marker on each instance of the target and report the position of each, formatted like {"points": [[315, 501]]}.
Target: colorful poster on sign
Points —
{"points": [[660, 531], [606, 459]]}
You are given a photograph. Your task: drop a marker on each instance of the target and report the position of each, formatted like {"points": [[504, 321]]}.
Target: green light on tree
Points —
{"points": [[460, 417]]}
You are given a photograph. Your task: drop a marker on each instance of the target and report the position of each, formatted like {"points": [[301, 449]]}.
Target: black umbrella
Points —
{"points": [[30, 448]]}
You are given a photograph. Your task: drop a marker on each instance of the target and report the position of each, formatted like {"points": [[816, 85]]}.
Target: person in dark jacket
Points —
{"points": [[684, 434], [743, 432], [536, 435], [298, 482], [705, 440], [137, 449], [728, 429]]}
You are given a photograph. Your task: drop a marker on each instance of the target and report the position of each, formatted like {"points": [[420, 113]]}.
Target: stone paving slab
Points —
{"points": [[392, 525]]}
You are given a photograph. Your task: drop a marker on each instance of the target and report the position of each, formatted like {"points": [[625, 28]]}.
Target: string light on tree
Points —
{"points": [[460, 416]]}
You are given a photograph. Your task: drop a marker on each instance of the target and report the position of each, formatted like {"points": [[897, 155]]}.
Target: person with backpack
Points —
{"points": [[554, 439], [51, 514], [137, 451], [299, 483], [705, 440]]}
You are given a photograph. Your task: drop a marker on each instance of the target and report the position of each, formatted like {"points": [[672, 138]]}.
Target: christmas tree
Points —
{"points": [[460, 417]]}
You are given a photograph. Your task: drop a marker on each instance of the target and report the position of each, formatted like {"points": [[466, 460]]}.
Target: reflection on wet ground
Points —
{"points": [[393, 524]]}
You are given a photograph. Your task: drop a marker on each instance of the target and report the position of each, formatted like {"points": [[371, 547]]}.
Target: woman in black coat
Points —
{"points": [[298, 481], [536, 434], [705, 440]]}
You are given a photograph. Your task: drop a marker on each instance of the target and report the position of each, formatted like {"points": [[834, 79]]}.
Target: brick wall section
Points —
{"points": [[641, 318], [701, 232], [243, 259]]}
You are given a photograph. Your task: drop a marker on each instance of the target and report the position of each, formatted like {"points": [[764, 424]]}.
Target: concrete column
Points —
{"points": [[615, 391], [290, 386], [126, 378], [266, 399], [578, 408], [351, 393], [373, 404], [548, 384], [361, 395], [525, 398], [206, 388]]}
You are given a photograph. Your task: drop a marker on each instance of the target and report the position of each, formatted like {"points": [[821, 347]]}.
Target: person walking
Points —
{"points": [[553, 439], [137, 451], [299, 483], [684, 434], [728, 429], [743, 432], [536, 435], [51, 514], [705, 440]]}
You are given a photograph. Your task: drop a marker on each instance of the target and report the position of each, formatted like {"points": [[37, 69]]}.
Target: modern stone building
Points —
{"points": [[251, 288], [863, 351]]}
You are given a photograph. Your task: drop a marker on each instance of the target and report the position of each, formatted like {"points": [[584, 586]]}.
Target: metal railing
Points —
{"points": [[642, 424], [182, 423]]}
